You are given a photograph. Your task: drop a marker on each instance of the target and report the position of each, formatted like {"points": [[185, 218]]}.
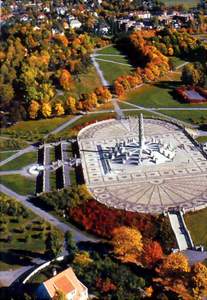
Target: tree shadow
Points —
{"points": [[11, 257]]}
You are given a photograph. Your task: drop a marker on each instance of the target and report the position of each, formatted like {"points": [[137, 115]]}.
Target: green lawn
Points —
{"points": [[109, 50], [53, 180], [121, 59], [20, 162], [157, 95], [4, 155], [27, 233], [34, 130], [20, 184], [185, 3], [177, 61], [192, 117], [202, 139], [112, 71], [73, 177], [11, 143], [197, 224]]}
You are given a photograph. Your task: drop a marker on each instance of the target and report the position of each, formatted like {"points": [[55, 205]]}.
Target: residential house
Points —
{"points": [[65, 282]]}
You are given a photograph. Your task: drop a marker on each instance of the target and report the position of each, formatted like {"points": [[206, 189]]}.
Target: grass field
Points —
{"points": [[177, 61], [4, 155], [197, 224], [20, 162], [156, 95], [33, 130], [20, 184], [195, 117], [112, 70], [27, 234], [186, 3], [202, 139]]}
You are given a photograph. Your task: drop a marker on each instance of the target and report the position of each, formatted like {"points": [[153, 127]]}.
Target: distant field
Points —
{"points": [[197, 224], [20, 162], [20, 184], [186, 3]]}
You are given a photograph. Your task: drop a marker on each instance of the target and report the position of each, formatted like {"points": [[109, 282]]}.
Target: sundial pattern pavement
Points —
{"points": [[180, 183]]}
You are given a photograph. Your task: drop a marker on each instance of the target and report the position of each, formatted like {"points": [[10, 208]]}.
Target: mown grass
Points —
{"points": [[120, 59], [35, 129], [20, 184], [109, 50], [197, 224], [20, 162], [4, 155], [111, 70], [185, 3], [160, 94], [22, 246], [202, 139]]}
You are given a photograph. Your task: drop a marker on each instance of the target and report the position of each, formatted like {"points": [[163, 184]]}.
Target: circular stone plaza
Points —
{"points": [[143, 165]]}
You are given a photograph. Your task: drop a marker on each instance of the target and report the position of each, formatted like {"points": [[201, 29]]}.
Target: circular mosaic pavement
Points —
{"points": [[181, 182]]}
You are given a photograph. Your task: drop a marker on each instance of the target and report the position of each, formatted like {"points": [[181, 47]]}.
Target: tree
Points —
{"points": [[7, 93], [127, 244], [65, 79], [82, 258], [71, 104], [46, 109], [199, 281], [33, 109], [152, 252], [70, 244], [53, 244], [175, 263], [59, 110], [190, 75]]}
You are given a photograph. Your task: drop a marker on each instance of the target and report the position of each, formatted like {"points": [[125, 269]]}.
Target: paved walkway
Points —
{"points": [[117, 109], [79, 236], [8, 277]]}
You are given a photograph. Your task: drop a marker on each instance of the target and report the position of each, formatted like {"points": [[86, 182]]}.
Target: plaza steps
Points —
{"points": [[180, 230]]}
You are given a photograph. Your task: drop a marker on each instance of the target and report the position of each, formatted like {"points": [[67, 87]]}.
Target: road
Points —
{"points": [[79, 236]]}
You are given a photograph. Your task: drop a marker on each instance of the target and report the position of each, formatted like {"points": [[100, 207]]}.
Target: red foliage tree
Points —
{"points": [[152, 252]]}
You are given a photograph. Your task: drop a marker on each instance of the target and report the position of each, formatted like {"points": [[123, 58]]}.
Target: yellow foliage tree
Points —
{"points": [[199, 278], [127, 244], [82, 258], [59, 109], [46, 109], [33, 109], [71, 104], [175, 263]]}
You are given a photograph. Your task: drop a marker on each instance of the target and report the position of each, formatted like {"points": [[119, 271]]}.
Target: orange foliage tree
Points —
{"points": [[65, 79], [152, 252], [127, 244], [199, 281]]}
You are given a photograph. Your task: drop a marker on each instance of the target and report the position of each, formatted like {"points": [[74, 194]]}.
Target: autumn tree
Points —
{"points": [[175, 263], [70, 244], [65, 79], [59, 109], [34, 108], [71, 104], [127, 244], [152, 252], [82, 258], [199, 281], [46, 109]]}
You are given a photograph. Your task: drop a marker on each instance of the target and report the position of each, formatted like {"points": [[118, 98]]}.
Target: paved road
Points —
{"points": [[78, 235], [8, 277], [117, 109]]}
